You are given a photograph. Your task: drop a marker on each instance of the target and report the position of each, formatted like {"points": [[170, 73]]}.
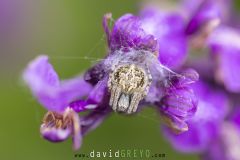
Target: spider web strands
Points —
{"points": [[90, 55], [101, 41], [91, 59]]}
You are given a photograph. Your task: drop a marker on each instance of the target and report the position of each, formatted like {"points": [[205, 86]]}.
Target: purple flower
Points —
{"points": [[61, 121], [224, 44], [204, 126], [179, 102], [226, 145]]}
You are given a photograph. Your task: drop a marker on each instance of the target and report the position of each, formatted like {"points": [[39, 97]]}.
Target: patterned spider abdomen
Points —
{"points": [[128, 84]]}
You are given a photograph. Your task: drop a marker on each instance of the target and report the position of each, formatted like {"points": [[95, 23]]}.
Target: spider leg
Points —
{"points": [[112, 95], [134, 103], [115, 94], [139, 97]]}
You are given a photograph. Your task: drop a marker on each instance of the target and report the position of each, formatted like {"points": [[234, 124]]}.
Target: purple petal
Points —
{"points": [[46, 87], [94, 98], [225, 47], [173, 51], [235, 118], [82, 105], [54, 134], [95, 74], [168, 28], [213, 103], [190, 7], [128, 33], [98, 92], [179, 102], [93, 119]]}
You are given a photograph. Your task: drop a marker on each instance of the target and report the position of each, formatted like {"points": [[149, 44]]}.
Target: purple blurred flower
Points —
{"points": [[224, 45], [213, 132], [226, 145], [208, 21], [204, 126], [205, 15]]}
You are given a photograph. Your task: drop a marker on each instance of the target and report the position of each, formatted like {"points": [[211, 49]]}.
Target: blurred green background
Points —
{"points": [[67, 31]]}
